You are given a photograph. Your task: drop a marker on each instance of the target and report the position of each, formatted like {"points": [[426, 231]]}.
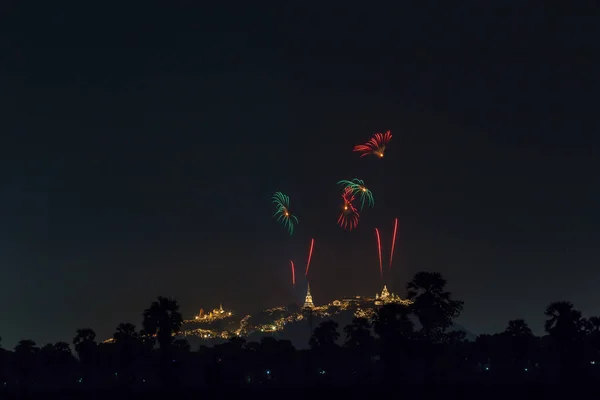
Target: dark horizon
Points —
{"points": [[140, 160]]}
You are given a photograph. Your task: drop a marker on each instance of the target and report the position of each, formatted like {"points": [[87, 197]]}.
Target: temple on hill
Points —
{"points": [[386, 297], [217, 313], [308, 302]]}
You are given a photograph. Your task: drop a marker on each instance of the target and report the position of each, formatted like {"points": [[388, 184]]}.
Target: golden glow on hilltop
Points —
{"points": [[216, 314], [361, 307]]}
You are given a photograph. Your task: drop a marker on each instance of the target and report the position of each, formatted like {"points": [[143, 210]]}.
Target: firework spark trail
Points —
{"points": [[293, 273], [379, 249], [312, 243], [284, 217], [393, 242], [375, 145], [357, 187], [349, 216]]}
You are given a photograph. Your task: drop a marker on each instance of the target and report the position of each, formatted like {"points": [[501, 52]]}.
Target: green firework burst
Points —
{"points": [[359, 189], [282, 213]]}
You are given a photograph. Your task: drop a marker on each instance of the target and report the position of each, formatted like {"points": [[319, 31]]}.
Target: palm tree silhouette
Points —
{"points": [[163, 319]]}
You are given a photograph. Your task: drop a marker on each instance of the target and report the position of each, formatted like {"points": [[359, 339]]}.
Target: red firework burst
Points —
{"points": [[375, 145], [349, 216]]}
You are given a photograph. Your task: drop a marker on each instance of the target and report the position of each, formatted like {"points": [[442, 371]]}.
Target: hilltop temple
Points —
{"points": [[386, 297], [308, 302], [217, 313], [380, 299]]}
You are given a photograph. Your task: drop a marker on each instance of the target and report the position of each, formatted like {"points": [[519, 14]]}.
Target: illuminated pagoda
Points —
{"points": [[386, 297], [217, 313], [308, 303]]}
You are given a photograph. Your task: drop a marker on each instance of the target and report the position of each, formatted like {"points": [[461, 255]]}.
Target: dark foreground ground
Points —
{"points": [[445, 392]]}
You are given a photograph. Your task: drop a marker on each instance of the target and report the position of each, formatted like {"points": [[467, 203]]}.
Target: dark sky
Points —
{"points": [[140, 149]]}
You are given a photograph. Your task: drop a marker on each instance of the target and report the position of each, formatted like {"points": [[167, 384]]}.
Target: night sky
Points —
{"points": [[140, 148]]}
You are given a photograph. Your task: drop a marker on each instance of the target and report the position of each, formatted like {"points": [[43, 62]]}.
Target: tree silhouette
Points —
{"points": [[26, 347], [26, 353], [163, 319], [564, 321], [181, 345], [566, 331], [518, 328], [358, 334], [392, 322], [361, 345], [227, 361], [128, 347], [433, 305], [325, 336], [519, 341], [394, 329], [125, 332], [86, 348], [594, 323], [85, 344], [57, 363], [400, 351], [275, 357]]}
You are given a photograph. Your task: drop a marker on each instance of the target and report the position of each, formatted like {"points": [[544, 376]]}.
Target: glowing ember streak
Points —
{"points": [[349, 217], [375, 145], [293, 273], [284, 217], [379, 249], [393, 241], [312, 243]]}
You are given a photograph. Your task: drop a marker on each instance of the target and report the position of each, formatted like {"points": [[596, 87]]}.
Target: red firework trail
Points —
{"points": [[293, 273], [379, 249], [393, 241], [312, 243], [375, 145]]}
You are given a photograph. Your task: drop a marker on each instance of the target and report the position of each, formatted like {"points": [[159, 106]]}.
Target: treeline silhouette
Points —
{"points": [[402, 344]]}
